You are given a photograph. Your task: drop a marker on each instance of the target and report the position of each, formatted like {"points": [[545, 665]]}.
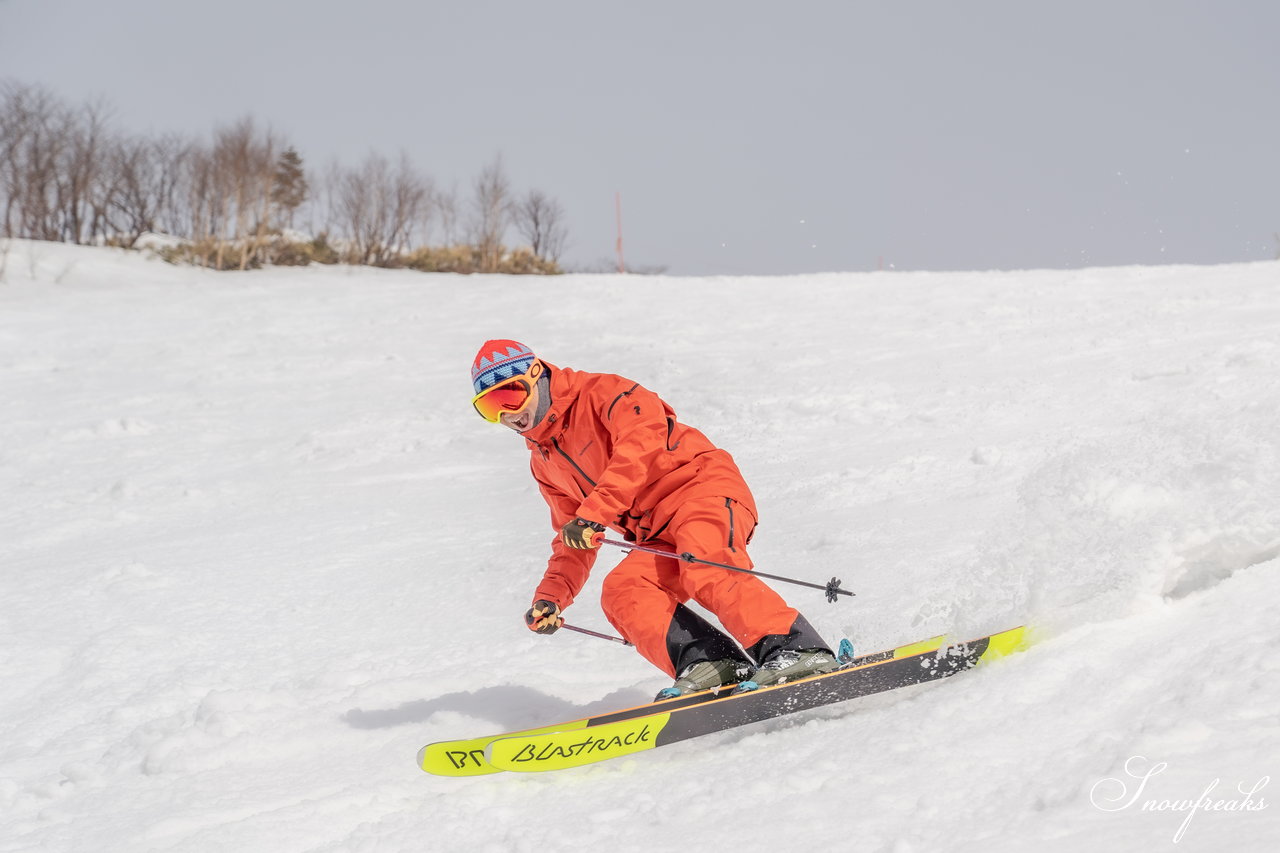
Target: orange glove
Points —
{"points": [[543, 617]]}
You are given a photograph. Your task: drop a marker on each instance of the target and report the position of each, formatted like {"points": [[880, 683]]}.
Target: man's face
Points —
{"points": [[524, 420]]}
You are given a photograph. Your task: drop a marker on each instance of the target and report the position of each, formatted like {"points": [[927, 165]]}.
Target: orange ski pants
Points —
{"points": [[640, 596]]}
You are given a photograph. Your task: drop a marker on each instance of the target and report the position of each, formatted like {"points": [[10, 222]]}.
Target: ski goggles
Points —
{"points": [[511, 397]]}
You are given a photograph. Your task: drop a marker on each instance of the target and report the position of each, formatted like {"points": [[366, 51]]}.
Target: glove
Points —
{"points": [[579, 532], [543, 617]]}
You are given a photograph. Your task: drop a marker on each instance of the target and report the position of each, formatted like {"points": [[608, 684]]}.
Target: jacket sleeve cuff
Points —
{"points": [[556, 591], [594, 509]]}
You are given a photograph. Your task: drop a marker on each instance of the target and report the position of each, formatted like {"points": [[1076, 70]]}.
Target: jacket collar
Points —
{"points": [[564, 393]]}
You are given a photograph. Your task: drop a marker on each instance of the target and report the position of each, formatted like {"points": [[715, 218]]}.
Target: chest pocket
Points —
{"points": [[579, 467]]}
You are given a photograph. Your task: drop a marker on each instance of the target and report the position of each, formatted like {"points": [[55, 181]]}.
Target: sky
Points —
{"points": [[743, 137]]}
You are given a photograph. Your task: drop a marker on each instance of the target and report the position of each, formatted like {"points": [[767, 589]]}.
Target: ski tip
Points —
{"points": [[1007, 642]]}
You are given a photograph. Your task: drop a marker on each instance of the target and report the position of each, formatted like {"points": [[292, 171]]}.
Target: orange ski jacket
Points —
{"points": [[611, 451]]}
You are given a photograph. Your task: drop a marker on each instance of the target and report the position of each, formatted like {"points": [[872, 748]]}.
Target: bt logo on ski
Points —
{"points": [[460, 759]]}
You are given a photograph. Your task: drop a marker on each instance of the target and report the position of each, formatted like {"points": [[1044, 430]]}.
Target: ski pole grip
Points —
{"points": [[597, 539]]}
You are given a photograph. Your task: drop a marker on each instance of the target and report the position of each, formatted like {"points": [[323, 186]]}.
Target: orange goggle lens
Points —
{"points": [[509, 397]]}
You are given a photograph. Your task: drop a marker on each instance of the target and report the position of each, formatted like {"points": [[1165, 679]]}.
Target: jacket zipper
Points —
{"points": [[728, 502], [575, 465], [609, 414], [671, 428]]}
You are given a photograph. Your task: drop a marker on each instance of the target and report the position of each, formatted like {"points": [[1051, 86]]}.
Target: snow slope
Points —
{"points": [[256, 550]]}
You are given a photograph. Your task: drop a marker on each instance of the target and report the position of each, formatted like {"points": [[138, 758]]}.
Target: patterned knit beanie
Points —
{"points": [[499, 361]]}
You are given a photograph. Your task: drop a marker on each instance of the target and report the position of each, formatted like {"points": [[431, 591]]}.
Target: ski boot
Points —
{"points": [[788, 665], [705, 675]]}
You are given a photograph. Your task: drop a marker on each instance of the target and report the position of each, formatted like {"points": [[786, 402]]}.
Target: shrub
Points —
{"points": [[467, 260]]}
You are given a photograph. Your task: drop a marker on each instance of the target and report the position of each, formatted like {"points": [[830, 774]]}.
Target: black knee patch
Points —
{"points": [[802, 636], [692, 639]]}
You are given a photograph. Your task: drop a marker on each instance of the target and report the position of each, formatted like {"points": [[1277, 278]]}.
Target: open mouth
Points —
{"points": [[522, 422]]}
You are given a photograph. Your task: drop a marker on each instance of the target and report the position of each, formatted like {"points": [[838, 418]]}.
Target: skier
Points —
{"points": [[607, 452]]}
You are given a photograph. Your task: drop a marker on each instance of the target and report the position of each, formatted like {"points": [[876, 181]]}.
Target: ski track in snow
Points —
{"points": [[256, 550]]}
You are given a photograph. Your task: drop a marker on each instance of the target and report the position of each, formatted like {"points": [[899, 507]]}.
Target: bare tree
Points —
{"points": [[350, 205], [329, 204], [491, 205], [261, 197], [410, 202], [14, 126], [83, 186], [147, 174], [380, 209], [540, 220], [223, 194], [201, 204], [244, 166], [355, 197], [171, 154], [54, 179], [34, 136], [445, 203]]}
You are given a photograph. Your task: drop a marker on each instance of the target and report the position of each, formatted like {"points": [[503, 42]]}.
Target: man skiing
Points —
{"points": [[607, 452]]}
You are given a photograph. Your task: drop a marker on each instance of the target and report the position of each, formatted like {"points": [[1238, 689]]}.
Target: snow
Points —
{"points": [[256, 550]]}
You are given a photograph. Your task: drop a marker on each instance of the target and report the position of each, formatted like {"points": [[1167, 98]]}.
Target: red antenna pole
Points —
{"points": [[622, 267]]}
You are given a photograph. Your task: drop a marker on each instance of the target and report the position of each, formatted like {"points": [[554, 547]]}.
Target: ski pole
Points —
{"points": [[569, 627], [831, 587]]}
